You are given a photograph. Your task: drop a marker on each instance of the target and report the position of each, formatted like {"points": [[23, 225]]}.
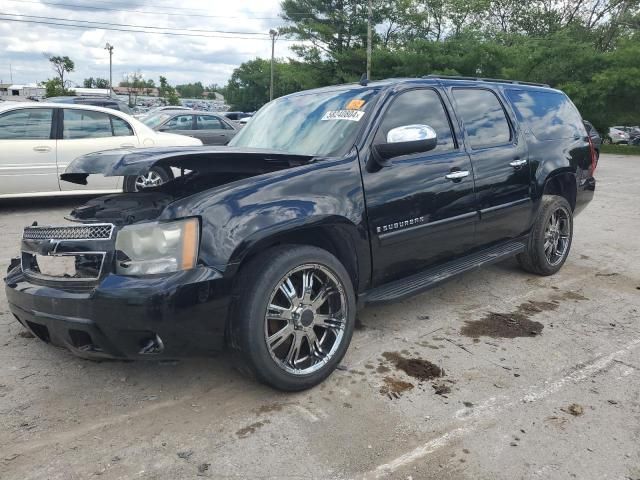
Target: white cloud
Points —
{"points": [[181, 59]]}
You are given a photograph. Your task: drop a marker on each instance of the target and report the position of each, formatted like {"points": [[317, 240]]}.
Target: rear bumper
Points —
{"points": [[585, 193], [187, 312]]}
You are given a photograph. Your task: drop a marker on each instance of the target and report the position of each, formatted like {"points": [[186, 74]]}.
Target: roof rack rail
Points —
{"points": [[481, 79]]}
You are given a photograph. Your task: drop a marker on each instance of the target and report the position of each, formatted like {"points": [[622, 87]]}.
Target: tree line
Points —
{"points": [[588, 48]]}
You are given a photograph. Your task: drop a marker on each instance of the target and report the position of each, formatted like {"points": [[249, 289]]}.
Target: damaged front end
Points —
{"points": [[122, 280]]}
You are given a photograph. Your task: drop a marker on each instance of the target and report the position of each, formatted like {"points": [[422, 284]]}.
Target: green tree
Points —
{"points": [[167, 92], [62, 66]]}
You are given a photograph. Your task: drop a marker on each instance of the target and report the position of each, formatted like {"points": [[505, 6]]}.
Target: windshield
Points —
{"points": [[318, 124], [152, 121]]}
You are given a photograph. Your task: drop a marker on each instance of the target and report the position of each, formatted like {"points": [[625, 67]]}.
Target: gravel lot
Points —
{"points": [[560, 401]]}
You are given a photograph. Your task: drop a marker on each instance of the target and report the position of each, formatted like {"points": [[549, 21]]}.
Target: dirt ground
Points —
{"points": [[496, 375]]}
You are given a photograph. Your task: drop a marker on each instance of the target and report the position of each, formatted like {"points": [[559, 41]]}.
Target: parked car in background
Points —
{"points": [[596, 138], [210, 128], [39, 140], [95, 100], [235, 116], [617, 135], [157, 110]]}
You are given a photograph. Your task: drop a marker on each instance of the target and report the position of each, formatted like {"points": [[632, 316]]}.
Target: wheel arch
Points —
{"points": [[337, 235], [562, 183]]}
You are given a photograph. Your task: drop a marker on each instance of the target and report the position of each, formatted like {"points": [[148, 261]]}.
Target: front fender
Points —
{"points": [[242, 215]]}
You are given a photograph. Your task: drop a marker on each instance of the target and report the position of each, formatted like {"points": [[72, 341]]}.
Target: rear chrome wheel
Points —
{"points": [[151, 179], [550, 238], [305, 319], [155, 177], [557, 236]]}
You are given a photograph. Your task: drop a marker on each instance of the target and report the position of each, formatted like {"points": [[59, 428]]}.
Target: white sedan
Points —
{"points": [[38, 141]]}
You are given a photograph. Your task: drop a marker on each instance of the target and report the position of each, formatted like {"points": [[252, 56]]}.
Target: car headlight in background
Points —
{"points": [[158, 247]]}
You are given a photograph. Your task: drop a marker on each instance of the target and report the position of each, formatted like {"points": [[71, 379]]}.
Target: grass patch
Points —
{"points": [[620, 149]]}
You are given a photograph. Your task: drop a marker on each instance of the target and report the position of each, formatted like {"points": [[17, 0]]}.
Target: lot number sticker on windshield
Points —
{"points": [[352, 115]]}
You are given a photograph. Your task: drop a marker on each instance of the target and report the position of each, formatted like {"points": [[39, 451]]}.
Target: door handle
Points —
{"points": [[42, 148], [519, 162], [457, 175], [127, 145]]}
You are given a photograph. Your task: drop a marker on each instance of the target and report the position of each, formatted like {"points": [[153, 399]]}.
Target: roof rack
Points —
{"points": [[480, 79]]}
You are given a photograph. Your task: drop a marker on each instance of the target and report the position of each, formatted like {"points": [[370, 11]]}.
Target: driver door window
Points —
{"points": [[418, 107], [181, 122]]}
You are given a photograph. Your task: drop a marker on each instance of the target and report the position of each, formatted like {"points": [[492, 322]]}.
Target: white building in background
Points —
{"points": [[21, 92]]}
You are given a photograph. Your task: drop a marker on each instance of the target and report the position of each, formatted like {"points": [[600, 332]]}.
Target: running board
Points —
{"points": [[406, 287]]}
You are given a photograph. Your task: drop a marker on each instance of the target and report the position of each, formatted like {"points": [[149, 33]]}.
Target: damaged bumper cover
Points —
{"points": [[172, 315]]}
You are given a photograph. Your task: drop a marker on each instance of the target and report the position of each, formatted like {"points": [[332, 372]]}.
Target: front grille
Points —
{"points": [[76, 232]]}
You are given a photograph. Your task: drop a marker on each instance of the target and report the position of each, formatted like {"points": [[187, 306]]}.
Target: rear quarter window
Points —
{"points": [[549, 115]]}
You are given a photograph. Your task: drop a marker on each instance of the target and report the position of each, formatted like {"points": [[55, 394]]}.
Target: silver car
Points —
{"points": [[210, 128]]}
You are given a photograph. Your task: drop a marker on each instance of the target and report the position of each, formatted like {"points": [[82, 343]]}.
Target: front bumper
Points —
{"points": [[175, 315]]}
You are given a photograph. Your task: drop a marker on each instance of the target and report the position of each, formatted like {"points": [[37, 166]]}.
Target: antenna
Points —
{"points": [[364, 81]]}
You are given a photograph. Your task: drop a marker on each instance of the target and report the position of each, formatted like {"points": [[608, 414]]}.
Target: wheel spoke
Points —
{"points": [[294, 350], [279, 313], [307, 286], [321, 297], [289, 291], [280, 337], [328, 321], [315, 349]]}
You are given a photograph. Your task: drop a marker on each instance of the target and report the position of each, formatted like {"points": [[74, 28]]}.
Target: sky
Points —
{"points": [[181, 59]]}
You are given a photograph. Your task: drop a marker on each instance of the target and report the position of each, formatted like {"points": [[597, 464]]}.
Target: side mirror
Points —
{"points": [[404, 141]]}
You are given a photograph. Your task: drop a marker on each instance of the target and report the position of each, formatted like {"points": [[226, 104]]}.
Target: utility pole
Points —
{"points": [[10, 74], [369, 21], [109, 47], [274, 35]]}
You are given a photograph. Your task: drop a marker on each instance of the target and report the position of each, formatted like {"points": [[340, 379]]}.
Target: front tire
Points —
{"points": [[550, 238], [295, 316]]}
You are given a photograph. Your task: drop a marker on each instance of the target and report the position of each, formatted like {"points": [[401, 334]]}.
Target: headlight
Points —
{"points": [[157, 247]]}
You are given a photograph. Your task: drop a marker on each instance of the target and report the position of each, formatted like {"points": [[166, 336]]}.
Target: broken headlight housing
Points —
{"points": [[157, 247]]}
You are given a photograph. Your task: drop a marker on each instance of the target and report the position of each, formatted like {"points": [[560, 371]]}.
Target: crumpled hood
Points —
{"points": [[124, 162]]}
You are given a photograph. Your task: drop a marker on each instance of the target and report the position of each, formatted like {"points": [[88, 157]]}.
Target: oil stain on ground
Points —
{"points": [[414, 367], [509, 325], [251, 429], [394, 387]]}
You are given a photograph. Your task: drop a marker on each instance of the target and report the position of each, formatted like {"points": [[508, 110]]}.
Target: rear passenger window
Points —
{"points": [[120, 127], [209, 122], [485, 121], [421, 107], [549, 115], [85, 124]]}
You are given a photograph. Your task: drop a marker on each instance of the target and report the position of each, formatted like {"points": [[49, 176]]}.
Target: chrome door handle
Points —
{"points": [[127, 145], [518, 163], [42, 148], [457, 175]]}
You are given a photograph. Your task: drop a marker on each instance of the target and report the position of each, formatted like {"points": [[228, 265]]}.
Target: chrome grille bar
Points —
{"points": [[99, 231]]}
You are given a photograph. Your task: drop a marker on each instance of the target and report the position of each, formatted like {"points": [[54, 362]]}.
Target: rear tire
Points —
{"points": [[550, 238], [154, 178], [295, 316]]}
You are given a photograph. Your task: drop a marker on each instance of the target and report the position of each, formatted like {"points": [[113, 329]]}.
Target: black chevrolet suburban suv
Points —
{"points": [[327, 201]]}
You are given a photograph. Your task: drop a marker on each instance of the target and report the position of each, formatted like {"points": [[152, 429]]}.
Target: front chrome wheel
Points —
{"points": [[305, 320], [557, 236]]}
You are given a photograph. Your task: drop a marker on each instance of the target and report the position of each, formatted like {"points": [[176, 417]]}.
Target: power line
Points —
{"points": [[130, 25], [147, 12], [94, 27]]}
